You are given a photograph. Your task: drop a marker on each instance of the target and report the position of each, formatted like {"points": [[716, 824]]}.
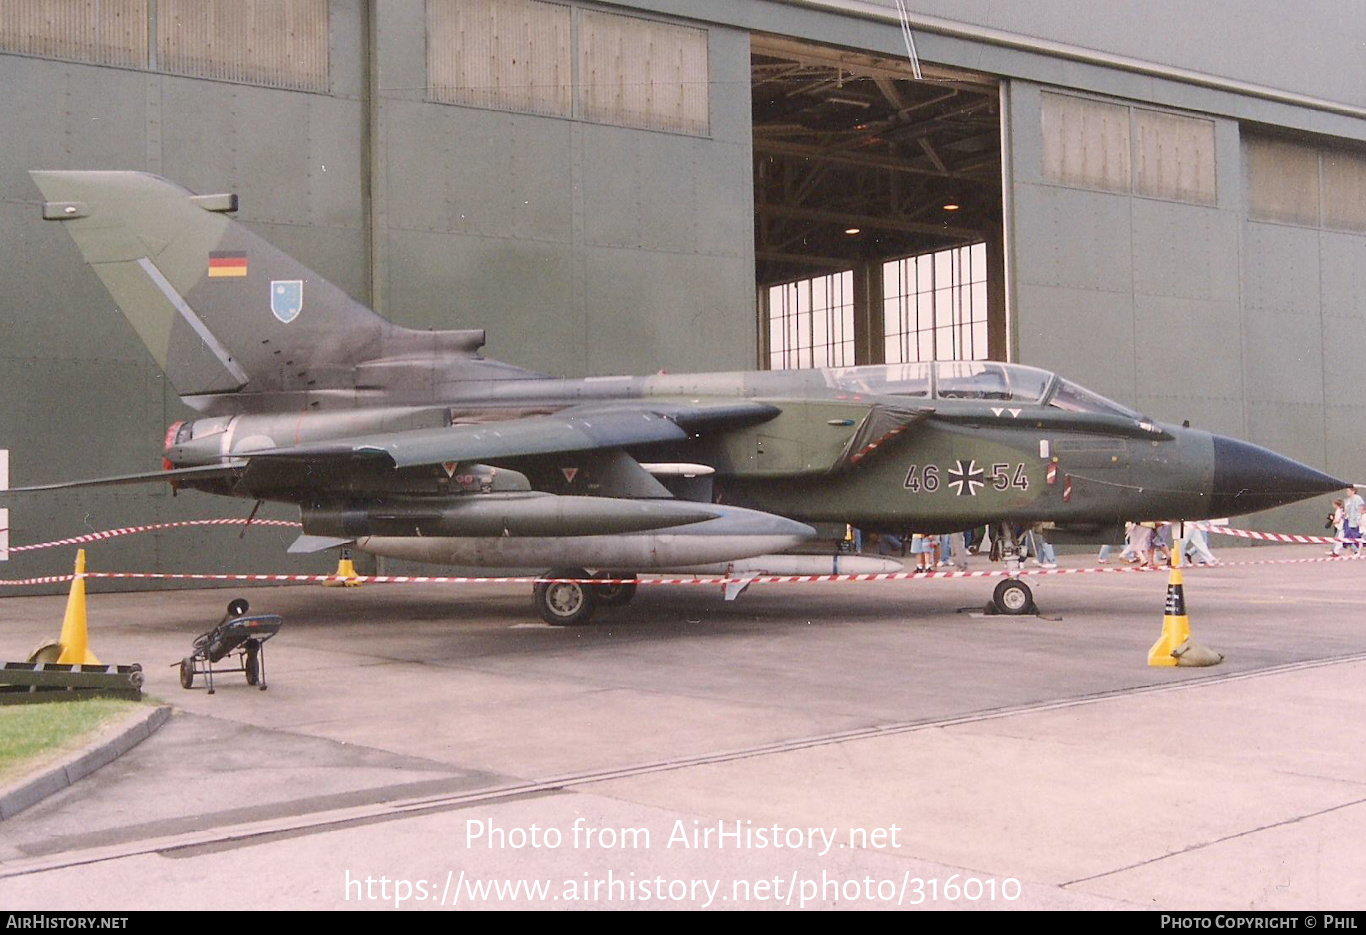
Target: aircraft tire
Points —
{"points": [[563, 604], [615, 595], [187, 672], [1013, 598]]}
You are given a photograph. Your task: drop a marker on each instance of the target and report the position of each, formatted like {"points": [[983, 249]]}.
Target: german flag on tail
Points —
{"points": [[227, 263]]}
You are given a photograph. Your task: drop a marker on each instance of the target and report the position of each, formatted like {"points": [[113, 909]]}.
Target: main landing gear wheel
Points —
{"points": [[615, 595], [187, 672], [565, 603], [1013, 597]]}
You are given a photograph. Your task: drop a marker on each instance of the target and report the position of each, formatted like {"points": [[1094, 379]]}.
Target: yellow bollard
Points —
{"points": [[346, 571], [75, 648]]}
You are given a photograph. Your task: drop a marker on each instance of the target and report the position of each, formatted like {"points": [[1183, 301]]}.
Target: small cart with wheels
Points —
{"points": [[236, 633]]}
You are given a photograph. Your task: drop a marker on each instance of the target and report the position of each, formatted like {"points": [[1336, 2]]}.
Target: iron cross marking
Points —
{"points": [[966, 478]]}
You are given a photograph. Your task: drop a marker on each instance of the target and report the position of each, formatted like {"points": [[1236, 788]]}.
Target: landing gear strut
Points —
{"points": [[565, 603], [615, 595]]}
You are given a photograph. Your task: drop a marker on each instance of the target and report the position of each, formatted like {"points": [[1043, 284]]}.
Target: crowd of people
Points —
{"points": [[951, 551], [1146, 543]]}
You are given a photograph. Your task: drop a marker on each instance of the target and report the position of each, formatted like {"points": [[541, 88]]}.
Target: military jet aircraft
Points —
{"points": [[410, 444]]}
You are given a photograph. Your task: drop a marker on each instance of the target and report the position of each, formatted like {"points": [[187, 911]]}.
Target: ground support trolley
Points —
{"points": [[236, 634]]}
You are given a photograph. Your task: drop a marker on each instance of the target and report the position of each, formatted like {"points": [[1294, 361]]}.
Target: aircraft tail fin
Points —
{"points": [[222, 310]]}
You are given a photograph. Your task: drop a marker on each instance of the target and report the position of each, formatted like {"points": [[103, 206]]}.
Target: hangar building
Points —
{"points": [[1166, 202]]}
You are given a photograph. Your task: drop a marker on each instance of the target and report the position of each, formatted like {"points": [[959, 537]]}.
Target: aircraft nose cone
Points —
{"points": [[1249, 477]]}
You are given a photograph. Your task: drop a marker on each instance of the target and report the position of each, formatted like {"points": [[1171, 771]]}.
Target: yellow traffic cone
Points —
{"points": [[75, 650], [1176, 626], [1175, 646], [346, 571]]}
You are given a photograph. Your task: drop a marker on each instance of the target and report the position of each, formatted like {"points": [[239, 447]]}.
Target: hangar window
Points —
{"points": [[99, 32], [1086, 143], [811, 322], [1283, 181], [553, 59], [1344, 189], [636, 72], [1115, 148], [276, 43], [935, 306], [501, 54], [1299, 183], [1174, 157]]}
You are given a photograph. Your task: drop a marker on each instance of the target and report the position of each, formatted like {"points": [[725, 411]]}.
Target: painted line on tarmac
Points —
{"points": [[1199, 846], [249, 833]]}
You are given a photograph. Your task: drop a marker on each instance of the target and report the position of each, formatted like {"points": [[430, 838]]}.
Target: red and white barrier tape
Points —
{"points": [[758, 579], [457, 579], [1277, 536], [155, 527]]}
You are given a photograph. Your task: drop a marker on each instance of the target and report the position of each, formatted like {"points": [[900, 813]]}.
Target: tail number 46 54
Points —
{"points": [[1003, 476]]}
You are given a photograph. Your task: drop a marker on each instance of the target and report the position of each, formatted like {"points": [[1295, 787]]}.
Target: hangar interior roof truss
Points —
{"points": [[846, 140]]}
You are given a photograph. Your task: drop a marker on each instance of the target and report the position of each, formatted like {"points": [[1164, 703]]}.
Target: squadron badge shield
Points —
{"points": [[287, 298]]}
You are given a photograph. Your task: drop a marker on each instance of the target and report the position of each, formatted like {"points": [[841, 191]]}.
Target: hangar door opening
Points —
{"points": [[878, 209]]}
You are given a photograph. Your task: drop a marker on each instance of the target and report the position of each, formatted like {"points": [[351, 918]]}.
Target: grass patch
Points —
{"points": [[33, 735]]}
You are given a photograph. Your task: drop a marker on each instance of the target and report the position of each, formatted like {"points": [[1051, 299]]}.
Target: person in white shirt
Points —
{"points": [[1197, 545], [1351, 507]]}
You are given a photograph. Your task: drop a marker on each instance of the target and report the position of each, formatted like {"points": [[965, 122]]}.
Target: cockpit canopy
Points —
{"points": [[988, 381]]}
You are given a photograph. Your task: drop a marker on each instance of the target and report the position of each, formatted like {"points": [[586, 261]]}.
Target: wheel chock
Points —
{"points": [[346, 575], [46, 651], [74, 640], [1174, 647], [1193, 654]]}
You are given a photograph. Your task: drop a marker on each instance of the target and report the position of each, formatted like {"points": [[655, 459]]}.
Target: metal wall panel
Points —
{"points": [[278, 43], [1280, 268], [1084, 334], [503, 54], [1123, 292], [522, 292], [443, 159], [684, 315], [636, 72], [1183, 251], [1246, 326], [1075, 238], [101, 32], [582, 247], [1342, 259]]}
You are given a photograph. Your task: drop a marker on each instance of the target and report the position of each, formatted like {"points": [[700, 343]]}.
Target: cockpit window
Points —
{"points": [[1073, 398], [951, 379], [979, 379], [885, 380]]}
